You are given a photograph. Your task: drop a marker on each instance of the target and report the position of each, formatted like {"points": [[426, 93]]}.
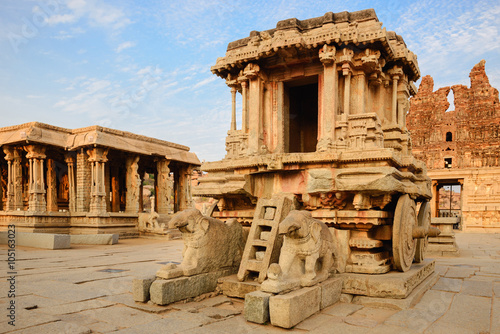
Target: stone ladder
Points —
{"points": [[263, 244]]}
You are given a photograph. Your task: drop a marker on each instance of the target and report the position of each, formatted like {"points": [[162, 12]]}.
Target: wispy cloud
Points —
{"points": [[98, 13], [125, 45]]}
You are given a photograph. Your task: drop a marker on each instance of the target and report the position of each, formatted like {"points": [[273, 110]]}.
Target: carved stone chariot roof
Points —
{"points": [[360, 29]]}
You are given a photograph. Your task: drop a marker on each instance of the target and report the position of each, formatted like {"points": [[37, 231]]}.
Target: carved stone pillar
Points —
{"points": [[14, 179], [244, 103], [360, 92], [97, 159], [115, 189], [254, 108], [435, 199], [327, 120], [346, 61], [36, 188], [133, 185], [347, 72], [164, 188], [51, 186], [184, 188], [396, 73], [83, 182], [70, 160]]}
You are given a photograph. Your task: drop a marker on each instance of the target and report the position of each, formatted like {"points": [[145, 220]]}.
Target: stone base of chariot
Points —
{"points": [[398, 290]]}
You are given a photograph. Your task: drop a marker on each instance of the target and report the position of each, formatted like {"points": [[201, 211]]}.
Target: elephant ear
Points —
{"points": [[315, 230], [204, 223]]}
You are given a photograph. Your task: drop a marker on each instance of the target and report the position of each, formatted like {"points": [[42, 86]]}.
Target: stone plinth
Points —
{"points": [[94, 239], [444, 244], [390, 285], [164, 292], [289, 309], [39, 240], [231, 287]]}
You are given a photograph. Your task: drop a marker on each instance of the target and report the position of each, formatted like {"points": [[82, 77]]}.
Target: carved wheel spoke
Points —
{"points": [[403, 244], [423, 220]]}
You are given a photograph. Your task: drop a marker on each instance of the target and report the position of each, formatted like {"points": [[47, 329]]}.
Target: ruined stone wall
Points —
{"points": [[461, 145], [468, 135]]}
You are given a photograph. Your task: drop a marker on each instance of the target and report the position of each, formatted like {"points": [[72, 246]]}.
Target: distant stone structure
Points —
{"points": [[461, 148], [87, 180]]}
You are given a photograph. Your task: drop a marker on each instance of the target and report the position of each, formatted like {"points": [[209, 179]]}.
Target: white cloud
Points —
{"points": [[125, 45], [98, 13], [204, 82]]}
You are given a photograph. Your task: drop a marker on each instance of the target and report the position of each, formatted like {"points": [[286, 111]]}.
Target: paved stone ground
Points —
{"points": [[86, 289]]}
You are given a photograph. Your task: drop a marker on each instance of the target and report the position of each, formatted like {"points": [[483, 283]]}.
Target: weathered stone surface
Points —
{"points": [[140, 288], [39, 240], [392, 285], [94, 239], [399, 303], [477, 288], [257, 307], [473, 318], [330, 291], [342, 309], [448, 284], [164, 292], [289, 309], [232, 287]]}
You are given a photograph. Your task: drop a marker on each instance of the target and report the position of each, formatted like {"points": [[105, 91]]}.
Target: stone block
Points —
{"points": [[330, 291], [231, 287], [40, 240], [257, 307], [140, 288], [94, 239], [393, 284], [164, 292], [399, 303], [289, 309]]}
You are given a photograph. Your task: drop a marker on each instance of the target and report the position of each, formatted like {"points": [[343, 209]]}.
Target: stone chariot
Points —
{"points": [[323, 106]]}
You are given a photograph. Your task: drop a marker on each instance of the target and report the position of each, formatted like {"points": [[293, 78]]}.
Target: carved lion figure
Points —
{"points": [[307, 254], [209, 244]]}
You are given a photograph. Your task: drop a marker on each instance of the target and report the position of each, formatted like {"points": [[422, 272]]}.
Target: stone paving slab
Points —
{"points": [[120, 316], [477, 288], [495, 317], [76, 307], [448, 284], [56, 328], [467, 313]]}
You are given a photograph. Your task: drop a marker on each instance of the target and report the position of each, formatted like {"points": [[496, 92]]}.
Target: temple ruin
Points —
{"points": [[87, 180], [461, 148]]}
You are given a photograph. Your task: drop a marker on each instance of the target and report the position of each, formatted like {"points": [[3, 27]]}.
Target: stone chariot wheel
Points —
{"points": [[403, 244], [424, 221]]}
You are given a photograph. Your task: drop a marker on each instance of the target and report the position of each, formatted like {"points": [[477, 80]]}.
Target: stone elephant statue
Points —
{"points": [[209, 244], [307, 254]]}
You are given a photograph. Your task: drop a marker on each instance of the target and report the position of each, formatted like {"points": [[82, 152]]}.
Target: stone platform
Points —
{"points": [[391, 285]]}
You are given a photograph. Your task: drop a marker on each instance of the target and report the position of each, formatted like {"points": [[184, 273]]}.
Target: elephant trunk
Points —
{"points": [[287, 226]]}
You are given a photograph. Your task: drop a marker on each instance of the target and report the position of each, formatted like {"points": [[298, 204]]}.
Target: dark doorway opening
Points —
{"points": [[302, 115], [449, 200]]}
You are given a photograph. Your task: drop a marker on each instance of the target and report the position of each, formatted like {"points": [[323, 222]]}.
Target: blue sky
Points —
{"points": [[144, 66]]}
